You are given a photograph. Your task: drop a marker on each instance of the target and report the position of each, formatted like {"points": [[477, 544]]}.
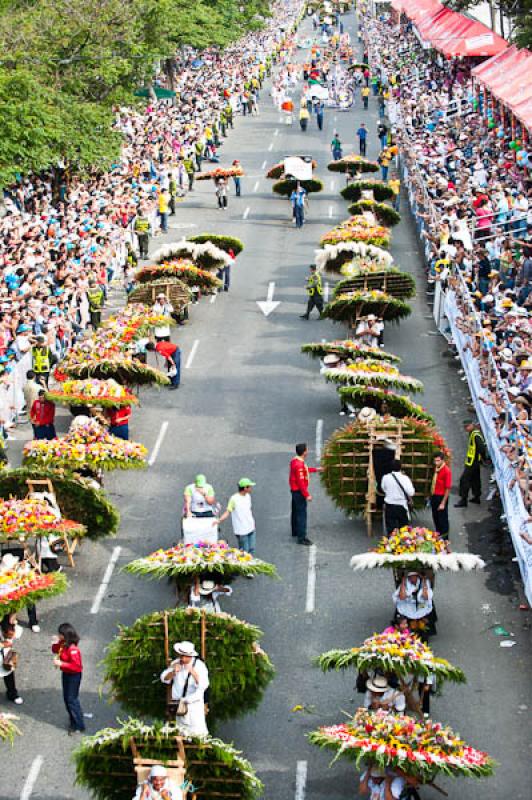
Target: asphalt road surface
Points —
{"points": [[247, 396]]}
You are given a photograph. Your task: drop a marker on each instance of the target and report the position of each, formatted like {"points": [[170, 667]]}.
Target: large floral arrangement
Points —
{"points": [[22, 585], [220, 172], [363, 278], [287, 185], [8, 728], [205, 255], [221, 240], [420, 748], [416, 548], [399, 652], [277, 171], [385, 214], [347, 348], [346, 460], [185, 270], [92, 392], [353, 164], [21, 519], [332, 257], [215, 768], [108, 351], [373, 373], [353, 191], [361, 303], [202, 557], [358, 229], [87, 445], [384, 401], [137, 656]]}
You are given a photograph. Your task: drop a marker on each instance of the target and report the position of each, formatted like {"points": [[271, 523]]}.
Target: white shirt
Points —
{"points": [[414, 606], [393, 493], [241, 515], [195, 690], [394, 697], [208, 601], [377, 789], [171, 789], [164, 309]]}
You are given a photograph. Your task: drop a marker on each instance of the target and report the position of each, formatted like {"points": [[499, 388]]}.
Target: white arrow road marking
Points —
{"points": [[269, 304]]}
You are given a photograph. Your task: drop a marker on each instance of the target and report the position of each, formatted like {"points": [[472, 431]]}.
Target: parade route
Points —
{"points": [[247, 395]]}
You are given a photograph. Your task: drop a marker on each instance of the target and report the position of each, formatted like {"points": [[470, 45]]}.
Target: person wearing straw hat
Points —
{"points": [[205, 594], [162, 308], [158, 786], [189, 677], [379, 694]]}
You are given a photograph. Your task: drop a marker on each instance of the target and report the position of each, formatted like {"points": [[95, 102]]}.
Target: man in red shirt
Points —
{"points": [[441, 488], [172, 354], [298, 481], [119, 421], [42, 415]]}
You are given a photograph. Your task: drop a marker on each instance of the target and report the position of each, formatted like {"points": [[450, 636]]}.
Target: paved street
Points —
{"points": [[247, 396]]}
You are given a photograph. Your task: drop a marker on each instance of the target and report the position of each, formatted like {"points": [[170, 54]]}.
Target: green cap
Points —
{"points": [[243, 483], [200, 480]]}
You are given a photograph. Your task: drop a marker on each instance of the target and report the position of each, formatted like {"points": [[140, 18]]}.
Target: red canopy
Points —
{"points": [[507, 77], [451, 33]]}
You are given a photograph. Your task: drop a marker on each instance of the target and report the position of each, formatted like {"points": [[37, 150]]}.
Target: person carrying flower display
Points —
{"points": [[413, 600], [199, 498], [379, 694], [158, 786], [189, 677]]}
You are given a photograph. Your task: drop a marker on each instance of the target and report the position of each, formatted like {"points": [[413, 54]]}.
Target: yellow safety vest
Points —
{"points": [[142, 225], [471, 455], [96, 298], [314, 285], [41, 359]]}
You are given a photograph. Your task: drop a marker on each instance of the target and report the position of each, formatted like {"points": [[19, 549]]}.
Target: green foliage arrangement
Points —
{"points": [[124, 369], [353, 191], [385, 214], [345, 478], [185, 271], [348, 305], [286, 186], [353, 165], [390, 280], [373, 373], [397, 405], [222, 241], [104, 763], [76, 496], [239, 670], [348, 349]]}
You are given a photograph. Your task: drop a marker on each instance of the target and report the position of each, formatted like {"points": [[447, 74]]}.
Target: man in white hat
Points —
{"points": [[380, 694], [158, 786], [369, 331], [206, 594], [189, 677]]}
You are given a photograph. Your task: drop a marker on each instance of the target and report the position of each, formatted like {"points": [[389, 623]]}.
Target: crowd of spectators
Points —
{"points": [[61, 234], [468, 180]]}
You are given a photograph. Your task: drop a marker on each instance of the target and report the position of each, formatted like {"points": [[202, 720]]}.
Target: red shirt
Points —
{"points": [[119, 416], [42, 412], [70, 657], [298, 478], [166, 349], [444, 481]]}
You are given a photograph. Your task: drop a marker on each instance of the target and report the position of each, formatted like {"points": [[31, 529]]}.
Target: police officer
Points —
{"points": [[96, 297], [314, 292], [42, 360], [475, 455], [141, 226]]}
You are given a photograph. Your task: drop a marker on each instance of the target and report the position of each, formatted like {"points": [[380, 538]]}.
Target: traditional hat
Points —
{"points": [[158, 771], [378, 684], [185, 649], [330, 359], [206, 587], [366, 414]]}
